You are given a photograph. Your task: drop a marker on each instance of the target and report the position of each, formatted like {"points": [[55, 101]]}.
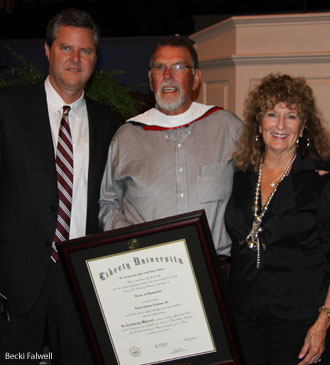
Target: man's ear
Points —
{"points": [[47, 50], [150, 80], [197, 78]]}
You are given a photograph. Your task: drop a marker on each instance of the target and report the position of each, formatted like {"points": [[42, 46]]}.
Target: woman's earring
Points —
{"points": [[307, 142], [303, 144]]}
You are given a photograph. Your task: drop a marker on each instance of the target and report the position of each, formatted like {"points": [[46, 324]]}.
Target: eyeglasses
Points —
{"points": [[176, 68]]}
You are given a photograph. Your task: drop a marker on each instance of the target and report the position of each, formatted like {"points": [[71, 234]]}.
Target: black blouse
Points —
{"points": [[294, 276]]}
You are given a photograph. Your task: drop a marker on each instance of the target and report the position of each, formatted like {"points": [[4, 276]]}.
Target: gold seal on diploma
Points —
{"points": [[134, 351], [133, 244]]}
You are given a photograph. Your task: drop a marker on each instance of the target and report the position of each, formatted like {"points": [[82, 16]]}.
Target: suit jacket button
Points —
{"points": [[53, 208], [47, 243]]}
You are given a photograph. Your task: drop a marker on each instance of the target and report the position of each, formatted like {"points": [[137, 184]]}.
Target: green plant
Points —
{"points": [[26, 73], [101, 87]]}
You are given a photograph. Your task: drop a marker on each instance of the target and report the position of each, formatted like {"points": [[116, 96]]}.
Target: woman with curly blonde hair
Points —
{"points": [[278, 218], [276, 88]]}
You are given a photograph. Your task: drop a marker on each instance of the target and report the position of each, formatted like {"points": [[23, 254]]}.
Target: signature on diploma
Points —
{"points": [[177, 350], [190, 339]]}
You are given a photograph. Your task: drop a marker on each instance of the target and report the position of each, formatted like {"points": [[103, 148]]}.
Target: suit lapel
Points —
{"points": [[93, 151], [41, 128]]}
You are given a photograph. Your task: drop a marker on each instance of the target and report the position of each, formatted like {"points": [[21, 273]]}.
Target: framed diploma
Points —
{"points": [[152, 294]]}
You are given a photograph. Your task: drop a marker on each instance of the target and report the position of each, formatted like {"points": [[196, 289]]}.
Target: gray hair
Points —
{"points": [[177, 41]]}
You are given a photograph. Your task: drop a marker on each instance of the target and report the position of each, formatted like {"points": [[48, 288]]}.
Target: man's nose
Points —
{"points": [[75, 56], [167, 72]]}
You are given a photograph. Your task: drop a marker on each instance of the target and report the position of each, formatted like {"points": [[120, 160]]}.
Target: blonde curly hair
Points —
{"points": [[294, 92]]}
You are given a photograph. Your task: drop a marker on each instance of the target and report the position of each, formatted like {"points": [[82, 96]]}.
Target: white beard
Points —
{"points": [[173, 104]]}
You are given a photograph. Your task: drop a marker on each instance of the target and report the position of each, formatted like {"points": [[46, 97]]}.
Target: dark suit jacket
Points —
{"points": [[28, 188], [294, 276]]}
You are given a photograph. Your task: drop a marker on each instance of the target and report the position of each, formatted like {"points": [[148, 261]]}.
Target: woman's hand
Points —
{"points": [[314, 341]]}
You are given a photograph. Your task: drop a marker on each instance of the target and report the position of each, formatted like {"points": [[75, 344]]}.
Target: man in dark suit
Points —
{"points": [[32, 284]]}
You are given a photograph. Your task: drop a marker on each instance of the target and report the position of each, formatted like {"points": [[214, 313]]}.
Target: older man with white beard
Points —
{"points": [[174, 158]]}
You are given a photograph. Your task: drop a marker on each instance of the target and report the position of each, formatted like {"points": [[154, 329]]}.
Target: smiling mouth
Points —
{"points": [[169, 89], [279, 135], [73, 69]]}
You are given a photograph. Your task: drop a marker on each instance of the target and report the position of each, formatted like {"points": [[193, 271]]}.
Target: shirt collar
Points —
{"points": [[56, 103], [153, 117]]}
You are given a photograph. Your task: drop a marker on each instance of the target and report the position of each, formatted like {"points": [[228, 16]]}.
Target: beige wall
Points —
{"points": [[236, 53]]}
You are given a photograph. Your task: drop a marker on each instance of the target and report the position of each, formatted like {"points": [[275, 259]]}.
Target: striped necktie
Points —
{"points": [[64, 169]]}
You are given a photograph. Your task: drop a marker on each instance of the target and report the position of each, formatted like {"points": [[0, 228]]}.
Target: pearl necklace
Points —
{"points": [[273, 183], [252, 239]]}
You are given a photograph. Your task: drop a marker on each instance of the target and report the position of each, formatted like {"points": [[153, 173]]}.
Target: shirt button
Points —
{"points": [[179, 145], [166, 136], [181, 169], [181, 195]]}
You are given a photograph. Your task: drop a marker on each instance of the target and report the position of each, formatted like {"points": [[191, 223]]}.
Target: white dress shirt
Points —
{"points": [[78, 121]]}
